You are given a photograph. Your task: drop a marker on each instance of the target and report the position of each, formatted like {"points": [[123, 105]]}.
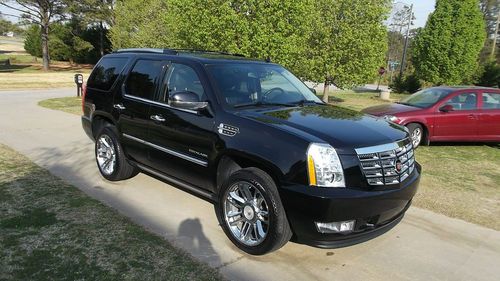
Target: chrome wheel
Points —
{"points": [[106, 155], [246, 213], [416, 136]]}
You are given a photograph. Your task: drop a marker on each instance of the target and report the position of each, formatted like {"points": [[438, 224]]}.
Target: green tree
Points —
{"points": [[98, 14], [273, 29], [347, 43], [33, 41], [446, 51], [43, 13], [8, 26], [142, 23]]}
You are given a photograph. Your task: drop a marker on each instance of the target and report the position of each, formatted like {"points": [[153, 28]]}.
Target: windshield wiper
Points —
{"points": [[259, 103], [404, 103], [308, 102]]}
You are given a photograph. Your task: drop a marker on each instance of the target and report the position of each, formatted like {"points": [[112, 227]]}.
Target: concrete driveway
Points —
{"points": [[425, 246]]}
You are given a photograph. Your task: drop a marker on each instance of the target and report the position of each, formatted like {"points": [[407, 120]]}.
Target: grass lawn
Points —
{"points": [[459, 180], [358, 101], [67, 104], [25, 71], [50, 230], [31, 76]]}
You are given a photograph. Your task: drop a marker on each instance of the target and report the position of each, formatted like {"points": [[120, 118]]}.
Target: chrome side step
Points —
{"points": [[207, 195]]}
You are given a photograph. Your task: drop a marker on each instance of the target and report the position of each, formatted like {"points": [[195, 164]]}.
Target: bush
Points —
{"points": [[490, 76], [33, 41], [408, 84]]}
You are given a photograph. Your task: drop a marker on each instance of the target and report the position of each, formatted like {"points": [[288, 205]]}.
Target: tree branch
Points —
{"points": [[29, 8], [19, 10]]}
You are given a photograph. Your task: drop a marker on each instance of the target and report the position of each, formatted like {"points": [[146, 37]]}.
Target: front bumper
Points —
{"points": [[375, 212]]}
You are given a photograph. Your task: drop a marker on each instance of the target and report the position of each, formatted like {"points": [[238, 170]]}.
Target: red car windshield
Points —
{"points": [[426, 98]]}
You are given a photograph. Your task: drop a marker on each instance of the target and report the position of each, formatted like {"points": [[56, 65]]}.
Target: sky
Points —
{"points": [[422, 10]]}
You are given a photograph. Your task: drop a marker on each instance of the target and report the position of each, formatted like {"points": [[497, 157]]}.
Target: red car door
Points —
{"points": [[489, 116], [461, 123]]}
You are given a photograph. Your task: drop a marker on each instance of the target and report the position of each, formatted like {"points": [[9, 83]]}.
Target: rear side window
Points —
{"points": [[491, 100], [105, 73], [142, 79]]}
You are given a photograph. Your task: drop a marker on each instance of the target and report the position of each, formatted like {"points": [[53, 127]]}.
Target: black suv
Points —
{"points": [[249, 136]]}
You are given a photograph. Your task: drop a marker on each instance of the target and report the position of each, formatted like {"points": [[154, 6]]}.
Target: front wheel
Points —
{"points": [[251, 213], [416, 134]]}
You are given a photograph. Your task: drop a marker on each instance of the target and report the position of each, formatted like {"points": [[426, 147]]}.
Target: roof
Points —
{"points": [[202, 56], [464, 87]]}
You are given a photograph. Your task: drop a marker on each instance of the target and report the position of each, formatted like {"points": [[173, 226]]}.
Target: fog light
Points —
{"points": [[336, 227]]}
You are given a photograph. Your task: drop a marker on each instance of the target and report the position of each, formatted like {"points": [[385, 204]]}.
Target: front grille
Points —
{"points": [[387, 164]]}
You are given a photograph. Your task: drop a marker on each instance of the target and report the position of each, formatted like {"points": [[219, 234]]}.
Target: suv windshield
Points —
{"points": [[243, 84], [426, 98]]}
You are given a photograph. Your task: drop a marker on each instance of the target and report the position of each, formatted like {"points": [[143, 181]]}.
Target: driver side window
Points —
{"points": [[181, 78], [465, 101]]}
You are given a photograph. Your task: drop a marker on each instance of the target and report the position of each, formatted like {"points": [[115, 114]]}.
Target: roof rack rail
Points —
{"points": [[208, 52], [148, 50]]}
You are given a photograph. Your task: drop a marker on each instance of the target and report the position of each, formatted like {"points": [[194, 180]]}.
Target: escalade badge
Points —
{"points": [[228, 130]]}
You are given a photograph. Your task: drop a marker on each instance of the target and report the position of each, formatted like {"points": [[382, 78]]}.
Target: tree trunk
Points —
{"points": [[101, 39], [495, 36], [326, 90], [45, 46]]}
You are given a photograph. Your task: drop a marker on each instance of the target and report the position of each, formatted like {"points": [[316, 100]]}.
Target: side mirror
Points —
{"points": [[187, 100], [446, 108], [313, 90]]}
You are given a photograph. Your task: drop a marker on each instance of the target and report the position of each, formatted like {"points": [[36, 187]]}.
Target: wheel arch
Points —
{"points": [[231, 161], [99, 120], [426, 138]]}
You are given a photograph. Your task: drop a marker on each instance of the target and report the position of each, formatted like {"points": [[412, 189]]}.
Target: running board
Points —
{"points": [[178, 183]]}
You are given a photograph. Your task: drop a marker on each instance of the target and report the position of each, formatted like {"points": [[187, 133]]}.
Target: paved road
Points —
{"points": [[425, 246]]}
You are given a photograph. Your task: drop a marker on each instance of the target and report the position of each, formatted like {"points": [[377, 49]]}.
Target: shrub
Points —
{"points": [[490, 76], [407, 84]]}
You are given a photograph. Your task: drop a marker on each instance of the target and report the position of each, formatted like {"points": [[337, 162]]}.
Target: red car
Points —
{"points": [[447, 114]]}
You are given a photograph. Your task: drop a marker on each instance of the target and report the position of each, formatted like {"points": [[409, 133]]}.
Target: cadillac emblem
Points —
{"points": [[398, 166]]}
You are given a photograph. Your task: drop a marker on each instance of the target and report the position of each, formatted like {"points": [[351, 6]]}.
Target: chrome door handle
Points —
{"points": [[157, 118], [119, 106], [472, 116]]}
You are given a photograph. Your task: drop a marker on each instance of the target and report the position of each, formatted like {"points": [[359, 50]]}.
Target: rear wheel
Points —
{"points": [[250, 212], [110, 157]]}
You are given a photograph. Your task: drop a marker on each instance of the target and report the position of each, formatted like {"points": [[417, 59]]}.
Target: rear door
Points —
{"points": [[134, 104], [183, 140], [462, 122], [489, 116]]}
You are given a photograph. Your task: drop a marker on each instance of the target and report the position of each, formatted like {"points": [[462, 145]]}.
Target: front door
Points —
{"points": [[183, 140], [134, 105], [460, 123]]}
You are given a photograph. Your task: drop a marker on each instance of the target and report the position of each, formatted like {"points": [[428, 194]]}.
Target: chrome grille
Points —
{"points": [[387, 164]]}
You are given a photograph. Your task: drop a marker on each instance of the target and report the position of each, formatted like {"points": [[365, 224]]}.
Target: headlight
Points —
{"points": [[323, 166], [390, 118]]}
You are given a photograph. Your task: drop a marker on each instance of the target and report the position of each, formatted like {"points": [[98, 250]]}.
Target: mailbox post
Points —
{"points": [[79, 84], [381, 72]]}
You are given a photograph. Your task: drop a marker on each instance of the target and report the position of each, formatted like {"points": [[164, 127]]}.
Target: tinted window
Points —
{"points": [[491, 100], [181, 78], [105, 73], [241, 84], [142, 78], [466, 101]]}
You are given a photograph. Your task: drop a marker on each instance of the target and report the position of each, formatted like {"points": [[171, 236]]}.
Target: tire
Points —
{"points": [[110, 158], [417, 134], [264, 238]]}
